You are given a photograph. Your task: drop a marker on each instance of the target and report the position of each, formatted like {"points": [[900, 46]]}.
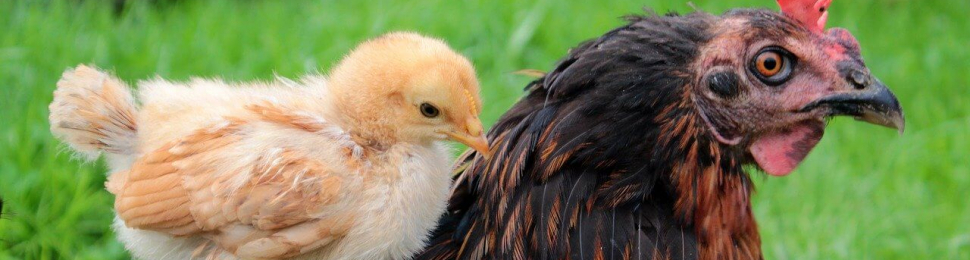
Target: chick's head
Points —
{"points": [[409, 88]]}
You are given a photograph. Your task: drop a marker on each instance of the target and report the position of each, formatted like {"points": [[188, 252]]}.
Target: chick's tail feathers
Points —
{"points": [[94, 112]]}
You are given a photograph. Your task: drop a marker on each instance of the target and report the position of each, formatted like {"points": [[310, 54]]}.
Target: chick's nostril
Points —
{"points": [[859, 79]]}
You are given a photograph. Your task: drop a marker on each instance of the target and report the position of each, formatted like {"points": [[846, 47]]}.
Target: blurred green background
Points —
{"points": [[864, 193]]}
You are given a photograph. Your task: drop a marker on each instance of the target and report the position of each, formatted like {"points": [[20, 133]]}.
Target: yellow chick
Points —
{"points": [[342, 167]]}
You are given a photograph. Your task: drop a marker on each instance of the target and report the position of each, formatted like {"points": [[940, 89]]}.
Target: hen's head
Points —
{"points": [[766, 83], [407, 87]]}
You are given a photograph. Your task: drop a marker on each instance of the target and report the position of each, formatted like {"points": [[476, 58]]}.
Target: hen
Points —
{"points": [[341, 167], [635, 145]]}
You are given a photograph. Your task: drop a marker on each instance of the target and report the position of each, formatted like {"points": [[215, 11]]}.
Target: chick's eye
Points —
{"points": [[429, 111], [773, 66]]}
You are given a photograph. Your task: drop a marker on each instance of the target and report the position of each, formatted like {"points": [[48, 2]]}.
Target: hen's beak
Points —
{"points": [[870, 101], [473, 137]]}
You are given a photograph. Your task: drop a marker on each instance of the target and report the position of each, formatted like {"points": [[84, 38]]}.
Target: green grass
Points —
{"points": [[864, 193]]}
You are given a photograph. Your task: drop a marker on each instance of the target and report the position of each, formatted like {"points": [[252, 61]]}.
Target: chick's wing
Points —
{"points": [[210, 181]]}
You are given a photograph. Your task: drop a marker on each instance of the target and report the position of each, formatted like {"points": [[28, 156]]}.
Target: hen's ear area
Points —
{"points": [[725, 84], [810, 13]]}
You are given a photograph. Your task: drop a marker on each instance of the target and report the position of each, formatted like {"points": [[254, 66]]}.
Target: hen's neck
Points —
{"points": [[713, 190]]}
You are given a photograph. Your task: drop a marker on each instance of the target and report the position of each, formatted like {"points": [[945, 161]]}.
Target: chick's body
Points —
{"points": [[383, 203], [283, 169]]}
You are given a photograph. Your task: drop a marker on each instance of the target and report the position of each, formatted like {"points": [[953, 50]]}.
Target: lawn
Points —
{"points": [[864, 193]]}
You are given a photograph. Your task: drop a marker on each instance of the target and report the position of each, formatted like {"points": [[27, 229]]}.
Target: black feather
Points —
{"points": [[583, 163]]}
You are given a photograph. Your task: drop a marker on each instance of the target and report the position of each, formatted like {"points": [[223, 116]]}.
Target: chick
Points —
{"points": [[342, 167]]}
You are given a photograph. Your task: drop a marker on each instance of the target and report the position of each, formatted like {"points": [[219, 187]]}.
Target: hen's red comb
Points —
{"points": [[811, 13]]}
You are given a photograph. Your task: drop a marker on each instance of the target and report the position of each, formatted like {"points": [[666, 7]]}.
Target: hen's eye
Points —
{"points": [[768, 64], [772, 65], [429, 110]]}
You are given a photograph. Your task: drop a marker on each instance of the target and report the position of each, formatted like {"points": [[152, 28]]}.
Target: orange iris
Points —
{"points": [[769, 63]]}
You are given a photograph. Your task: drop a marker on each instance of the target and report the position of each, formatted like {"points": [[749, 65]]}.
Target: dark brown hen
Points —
{"points": [[633, 147]]}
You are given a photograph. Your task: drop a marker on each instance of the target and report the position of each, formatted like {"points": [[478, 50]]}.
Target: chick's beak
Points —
{"points": [[473, 136]]}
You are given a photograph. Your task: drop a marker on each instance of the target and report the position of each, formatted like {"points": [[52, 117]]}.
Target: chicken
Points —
{"points": [[635, 145], [342, 167]]}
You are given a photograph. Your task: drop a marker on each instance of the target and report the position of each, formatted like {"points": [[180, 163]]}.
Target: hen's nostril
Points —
{"points": [[859, 79]]}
